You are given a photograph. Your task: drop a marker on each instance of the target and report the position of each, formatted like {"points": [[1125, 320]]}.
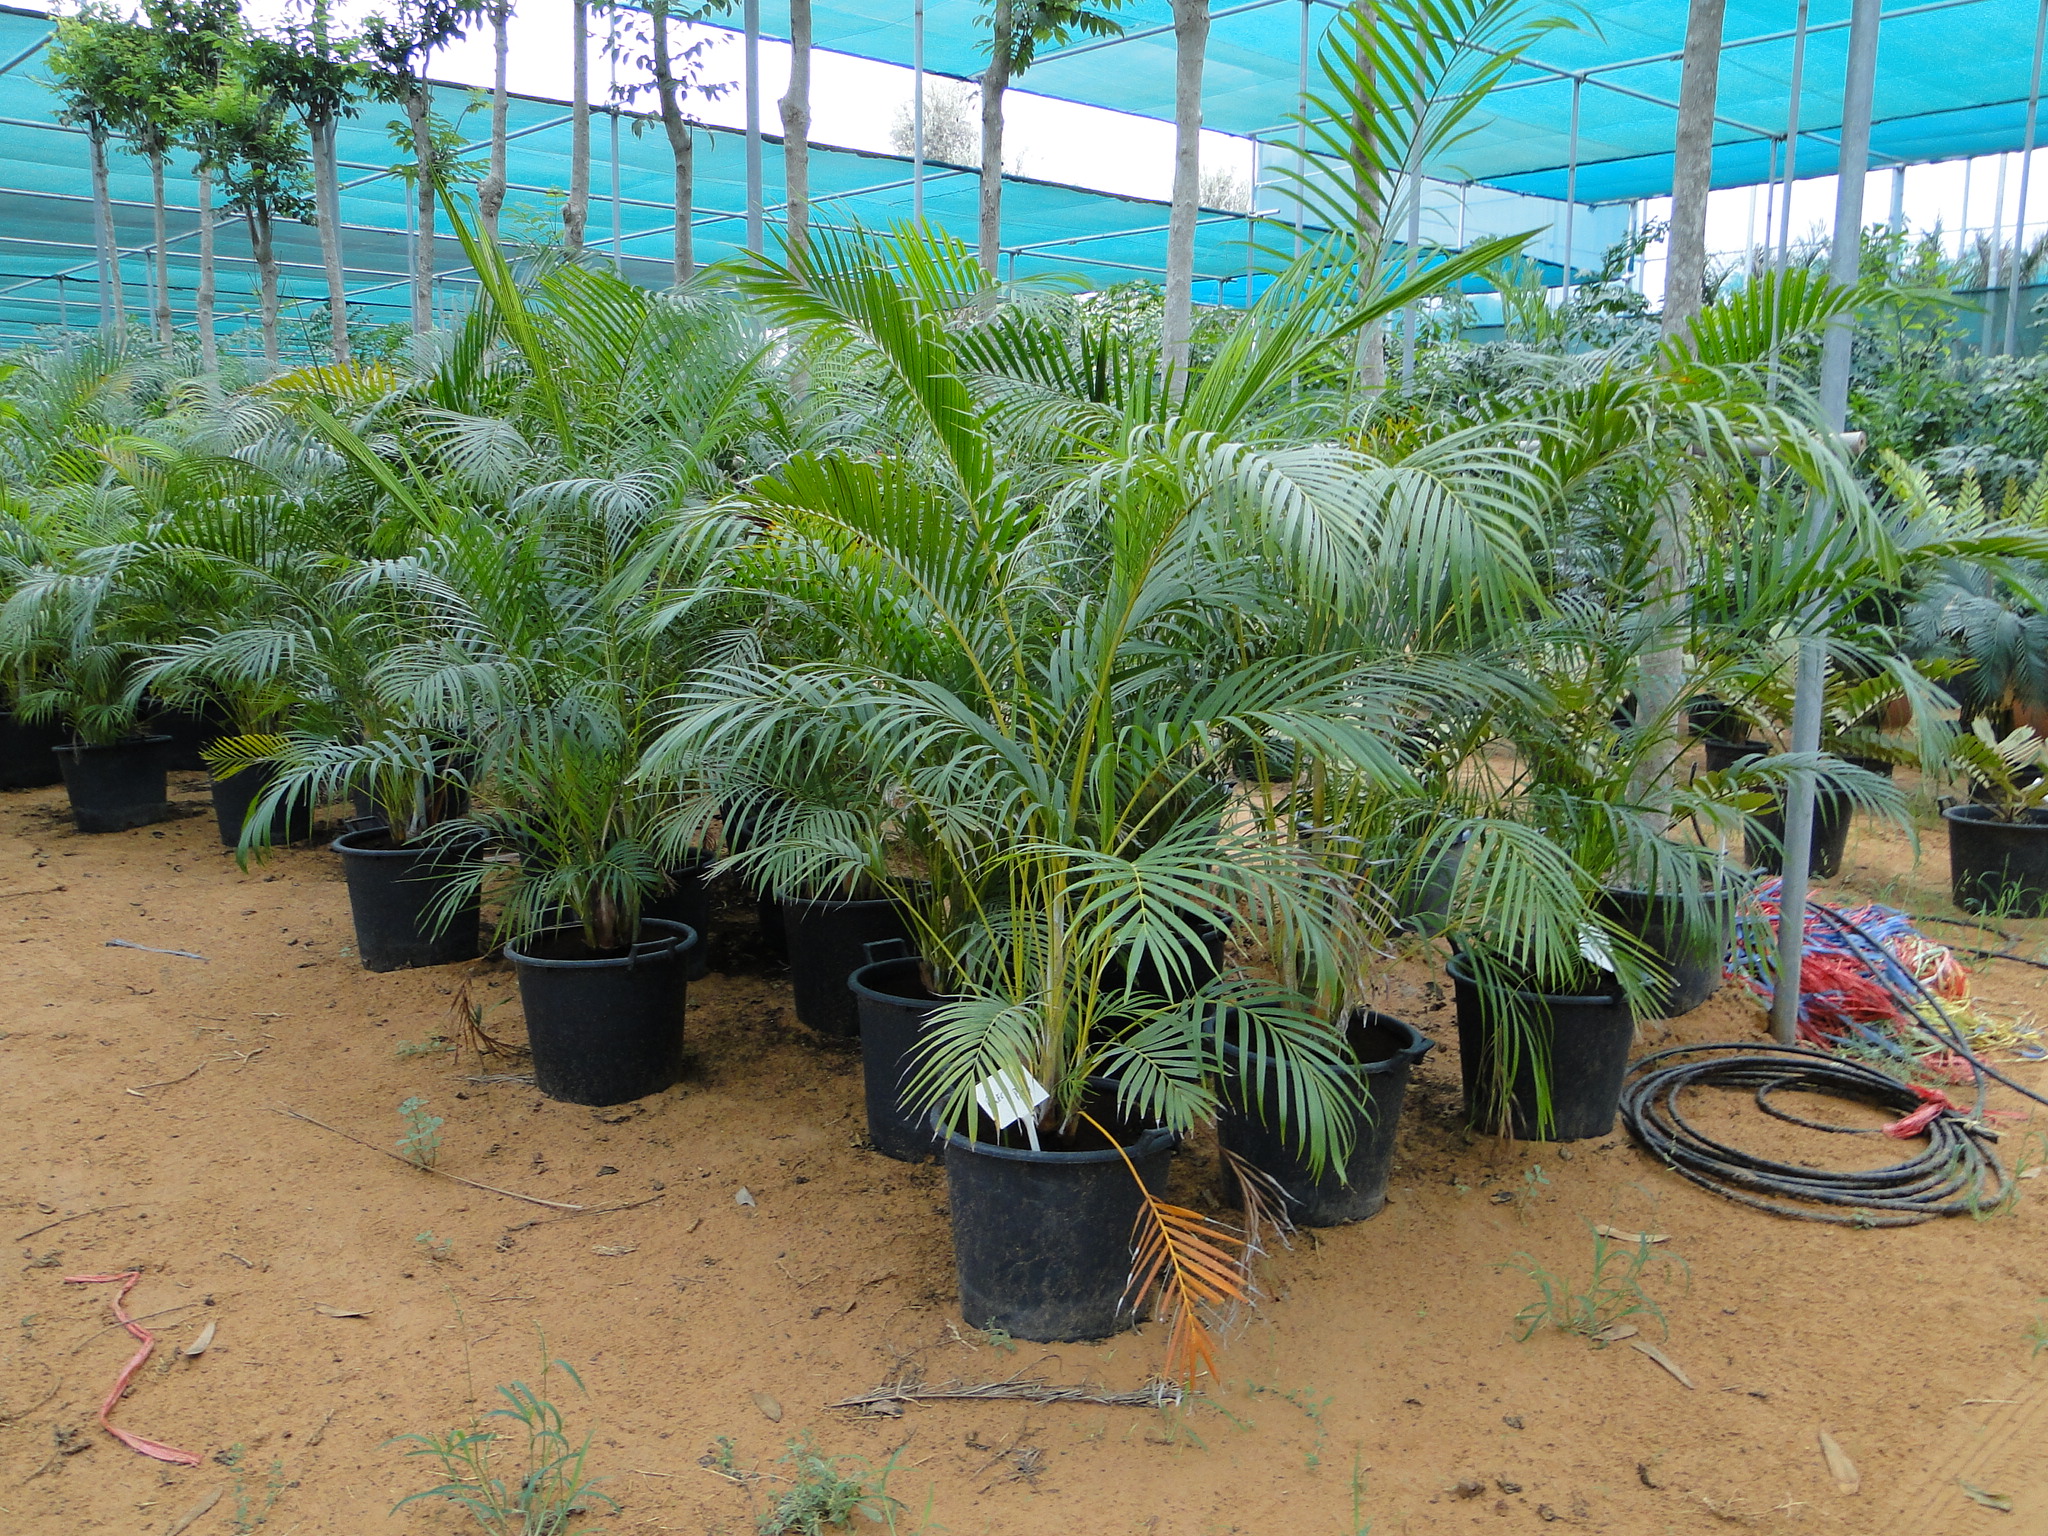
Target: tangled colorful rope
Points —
{"points": [[1851, 991]]}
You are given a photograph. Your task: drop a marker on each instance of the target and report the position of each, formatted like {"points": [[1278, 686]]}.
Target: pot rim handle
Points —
{"points": [[878, 950]]}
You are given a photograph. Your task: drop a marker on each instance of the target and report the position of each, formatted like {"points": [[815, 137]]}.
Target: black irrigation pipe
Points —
{"points": [[1955, 1174], [1947, 1178]]}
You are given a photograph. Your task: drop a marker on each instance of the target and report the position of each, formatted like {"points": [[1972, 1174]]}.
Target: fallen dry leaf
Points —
{"points": [[770, 1409], [1615, 1234], [1662, 1359], [198, 1346], [1989, 1500], [1840, 1467], [326, 1311], [1614, 1333], [195, 1514], [744, 1197], [615, 1253]]}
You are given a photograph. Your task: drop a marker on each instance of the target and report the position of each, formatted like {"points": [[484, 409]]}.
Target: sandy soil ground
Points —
{"points": [[1381, 1387]]}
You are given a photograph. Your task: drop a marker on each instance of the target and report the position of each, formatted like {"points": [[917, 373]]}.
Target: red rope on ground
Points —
{"points": [[126, 1280]]}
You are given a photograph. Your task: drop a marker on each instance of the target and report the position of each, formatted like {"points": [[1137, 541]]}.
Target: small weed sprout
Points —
{"points": [[822, 1494], [439, 1249], [2037, 1331], [421, 1143], [433, 1045], [1616, 1291], [545, 1486], [1532, 1180], [252, 1507]]}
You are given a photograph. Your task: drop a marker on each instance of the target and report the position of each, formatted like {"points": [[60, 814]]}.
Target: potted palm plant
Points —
{"points": [[1998, 845]]}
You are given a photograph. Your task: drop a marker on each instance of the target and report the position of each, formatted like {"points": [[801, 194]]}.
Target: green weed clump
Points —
{"points": [[543, 1485], [421, 1143], [1616, 1291], [826, 1492]]}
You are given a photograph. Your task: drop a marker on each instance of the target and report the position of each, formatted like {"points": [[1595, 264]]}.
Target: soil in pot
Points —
{"points": [[1042, 1240], [116, 786], [1831, 813], [1385, 1050], [25, 752], [233, 797], [827, 943], [1998, 866], [893, 1006], [605, 1028], [1689, 943], [1582, 1039], [394, 894]]}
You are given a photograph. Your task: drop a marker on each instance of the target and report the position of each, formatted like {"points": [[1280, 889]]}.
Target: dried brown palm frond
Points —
{"points": [[470, 1034], [1194, 1270]]}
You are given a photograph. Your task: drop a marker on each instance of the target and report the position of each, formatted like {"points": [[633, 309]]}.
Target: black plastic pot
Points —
{"points": [[235, 795], [1042, 1240], [1252, 1125], [1998, 866], [25, 760], [1583, 1041], [687, 901], [605, 1029], [392, 892], [1202, 967], [892, 1005], [1715, 720], [827, 943], [117, 786], [1690, 945], [1764, 835], [1423, 902], [185, 732]]}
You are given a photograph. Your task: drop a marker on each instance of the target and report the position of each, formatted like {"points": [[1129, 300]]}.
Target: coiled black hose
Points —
{"points": [[1955, 1174]]}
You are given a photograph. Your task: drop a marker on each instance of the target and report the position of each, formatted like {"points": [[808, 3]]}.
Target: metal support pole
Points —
{"points": [[1995, 257], [1571, 185], [1301, 128], [1843, 267], [1792, 132], [618, 221], [751, 17], [1897, 221], [1770, 200], [1963, 223], [1408, 314], [917, 111], [2019, 218]]}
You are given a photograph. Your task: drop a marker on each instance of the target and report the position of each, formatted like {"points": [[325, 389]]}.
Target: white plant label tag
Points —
{"points": [[1593, 945], [1005, 1102]]}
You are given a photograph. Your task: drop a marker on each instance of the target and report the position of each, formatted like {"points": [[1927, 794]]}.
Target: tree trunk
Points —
{"points": [[327, 216], [796, 128], [160, 252], [1369, 202], [1693, 167], [202, 303], [1661, 674], [995, 80], [419, 106], [1191, 42], [490, 193], [681, 141], [264, 252], [576, 211], [113, 307]]}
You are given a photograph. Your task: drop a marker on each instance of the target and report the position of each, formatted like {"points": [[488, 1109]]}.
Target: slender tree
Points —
{"points": [[1191, 45], [490, 192], [195, 37], [400, 48], [671, 75], [245, 138], [576, 211], [1016, 28], [795, 107], [88, 67], [311, 70]]}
